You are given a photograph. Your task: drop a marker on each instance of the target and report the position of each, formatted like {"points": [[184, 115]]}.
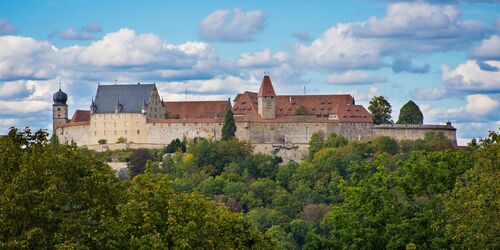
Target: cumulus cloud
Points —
{"points": [[489, 49], [15, 90], [7, 28], [469, 77], [337, 49], [410, 27], [479, 108], [429, 93], [405, 64], [23, 107], [354, 77], [25, 58], [232, 25], [125, 48], [261, 59]]}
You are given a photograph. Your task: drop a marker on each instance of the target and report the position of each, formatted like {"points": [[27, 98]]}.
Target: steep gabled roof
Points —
{"points": [[266, 88], [197, 109], [80, 116], [132, 97]]}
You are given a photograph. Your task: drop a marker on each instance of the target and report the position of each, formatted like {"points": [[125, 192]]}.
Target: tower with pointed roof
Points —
{"points": [[266, 99], [59, 109]]}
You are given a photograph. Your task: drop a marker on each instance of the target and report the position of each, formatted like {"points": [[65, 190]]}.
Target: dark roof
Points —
{"points": [[60, 97], [131, 97], [266, 88], [197, 109]]}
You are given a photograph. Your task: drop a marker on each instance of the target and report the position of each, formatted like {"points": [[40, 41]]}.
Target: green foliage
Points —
{"points": [[474, 204], [229, 127], [175, 146], [169, 115], [301, 110], [410, 114], [138, 161], [102, 141], [433, 141], [53, 195], [319, 140], [121, 140], [381, 110], [385, 144]]}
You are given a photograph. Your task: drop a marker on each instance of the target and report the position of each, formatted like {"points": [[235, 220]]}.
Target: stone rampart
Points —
{"points": [[413, 131]]}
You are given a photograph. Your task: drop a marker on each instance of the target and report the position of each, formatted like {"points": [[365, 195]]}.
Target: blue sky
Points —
{"points": [[444, 55]]}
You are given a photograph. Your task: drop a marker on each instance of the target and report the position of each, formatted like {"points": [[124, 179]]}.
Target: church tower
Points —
{"points": [[266, 99], [59, 109]]}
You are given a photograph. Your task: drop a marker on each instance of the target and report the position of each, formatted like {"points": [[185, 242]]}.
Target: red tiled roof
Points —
{"points": [[317, 106], [80, 116], [266, 88], [197, 109]]}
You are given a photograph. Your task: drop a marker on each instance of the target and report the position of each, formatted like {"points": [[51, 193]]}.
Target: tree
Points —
{"points": [[229, 127], [410, 114], [385, 144], [54, 195], [474, 205], [138, 161], [381, 110], [156, 217]]}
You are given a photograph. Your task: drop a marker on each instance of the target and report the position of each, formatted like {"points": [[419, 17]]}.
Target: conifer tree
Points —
{"points": [[229, 127], [410, 114]]}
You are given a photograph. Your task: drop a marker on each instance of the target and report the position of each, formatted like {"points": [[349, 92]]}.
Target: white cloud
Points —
{"points": [[354, 77], [489, 49], [125, 48], [7, 28], [429, 93], [338, 49], [479, 108], [480, 104], [416, 27], [469, 77], [23, 107], [261, 59], [232, 25], [25, 58]]}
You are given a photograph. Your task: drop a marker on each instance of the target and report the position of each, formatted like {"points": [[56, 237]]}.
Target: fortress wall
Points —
{"points": [[291, 140], [413, 132], [78, 134], [164, 133]]}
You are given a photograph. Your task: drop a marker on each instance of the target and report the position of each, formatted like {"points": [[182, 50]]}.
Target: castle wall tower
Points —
{"points": [[266, 99], [59, 110]]}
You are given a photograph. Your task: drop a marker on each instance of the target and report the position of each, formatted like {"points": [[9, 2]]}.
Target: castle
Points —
{"points": [[134, 116]]}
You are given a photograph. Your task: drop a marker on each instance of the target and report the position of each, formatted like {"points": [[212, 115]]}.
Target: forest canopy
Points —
{"points": [[377, 193]]}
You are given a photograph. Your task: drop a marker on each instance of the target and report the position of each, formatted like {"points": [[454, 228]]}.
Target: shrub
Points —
{"points": [[121, 140], [102, 141]]}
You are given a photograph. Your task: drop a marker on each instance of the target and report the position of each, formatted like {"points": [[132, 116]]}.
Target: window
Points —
{"points": [[114, 124], [104, 124], [115, 132], [95, 133], [125, 132], [138, 132], [104, 132], [58, 109], [138, 124], [125, 123]]}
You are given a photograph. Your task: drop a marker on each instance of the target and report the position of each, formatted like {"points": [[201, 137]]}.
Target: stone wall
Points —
{"points": [[77, 134], [131, 126], [413, 132], [164, 133]]}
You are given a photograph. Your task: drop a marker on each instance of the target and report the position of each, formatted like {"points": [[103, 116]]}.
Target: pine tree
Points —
{"points": [[229, 127], [410, 114]]}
